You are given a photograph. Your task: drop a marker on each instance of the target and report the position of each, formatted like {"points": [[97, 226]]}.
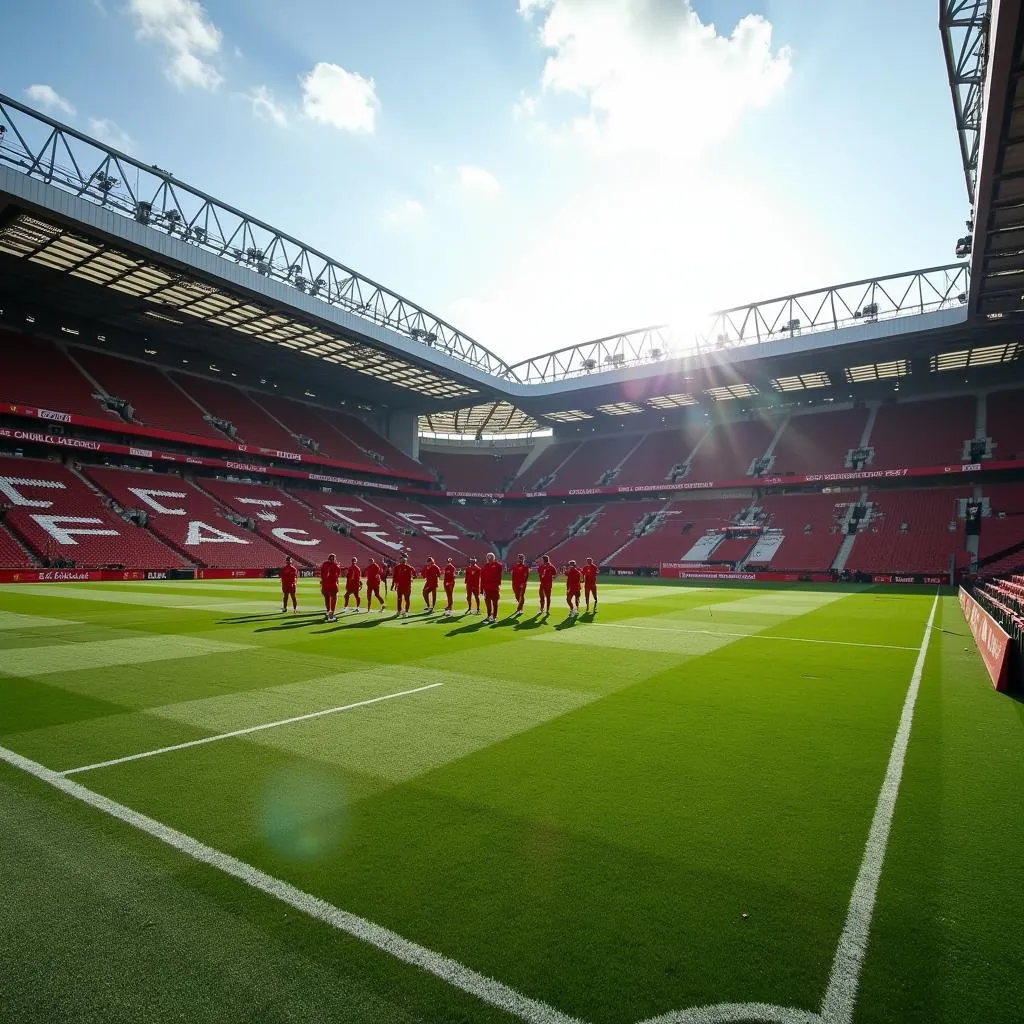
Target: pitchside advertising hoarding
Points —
{"points": [[992, 640]]}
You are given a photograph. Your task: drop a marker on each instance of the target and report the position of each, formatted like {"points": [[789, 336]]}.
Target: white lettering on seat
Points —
{"points": [[288, 535], [203, 533], [148, 496], [9, 488], [65, 534]]}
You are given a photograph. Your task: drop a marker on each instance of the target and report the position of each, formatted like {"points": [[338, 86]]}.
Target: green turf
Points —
{"points": [[582, 810]]}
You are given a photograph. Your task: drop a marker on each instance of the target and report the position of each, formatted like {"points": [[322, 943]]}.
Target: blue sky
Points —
{"points": [[540, 172]]}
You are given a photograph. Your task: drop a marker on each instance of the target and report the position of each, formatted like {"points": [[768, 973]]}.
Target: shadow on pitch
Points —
{"points": [[535, 620], [294, 622], [243, 620], [567, 623], [368, 622]]}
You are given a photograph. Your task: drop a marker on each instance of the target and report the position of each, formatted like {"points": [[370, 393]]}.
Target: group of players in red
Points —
{"points": [[485, 579]]}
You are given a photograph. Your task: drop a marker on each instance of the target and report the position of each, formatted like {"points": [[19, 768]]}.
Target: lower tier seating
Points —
{"points": [[12, 554]]}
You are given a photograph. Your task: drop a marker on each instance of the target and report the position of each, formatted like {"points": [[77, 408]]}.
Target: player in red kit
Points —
{"points": [[401, 578], [490, 583], [289, 576], [473, 586], [431, 573], [353, 583], [589, 571], [573, 582], [520, 576], [330, 574], [449, 587], [374, 576], [546, 572]]}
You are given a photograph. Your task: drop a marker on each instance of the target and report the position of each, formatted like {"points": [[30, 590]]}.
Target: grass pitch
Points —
{"points": [[613, 820]]}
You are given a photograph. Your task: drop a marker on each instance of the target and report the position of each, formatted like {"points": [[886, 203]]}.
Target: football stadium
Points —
{"points": [[759, 759]]}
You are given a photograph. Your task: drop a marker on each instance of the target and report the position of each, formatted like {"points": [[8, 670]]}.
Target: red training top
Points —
{"points": [[330, 573], [520, 574], [373, 575], [431, 573], [572, 579], [449, 576], [490, 575], [402, 576], [353, 574], [472, 577], [590, 575], [547, 572], [289, 574]]}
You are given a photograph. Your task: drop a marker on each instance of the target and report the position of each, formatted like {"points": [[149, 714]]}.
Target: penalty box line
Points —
{"points": [[486, 989], [247, 731], [760, 636]]}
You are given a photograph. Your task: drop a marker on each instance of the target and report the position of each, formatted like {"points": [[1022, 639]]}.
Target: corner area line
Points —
{"points": [[247, 731], [487, 990]]}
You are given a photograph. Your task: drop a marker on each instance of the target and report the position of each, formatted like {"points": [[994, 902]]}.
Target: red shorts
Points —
{"points": [[472, 591], [572, 593], [352, 591], [288, 591], [492, 595], [406, 592]]}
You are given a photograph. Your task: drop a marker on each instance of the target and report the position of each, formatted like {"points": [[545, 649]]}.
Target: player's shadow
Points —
{"points": [[533, 622], [297, 622], [567, 623], [471, 627], [242, 620], [587, 616], [366, 623]]}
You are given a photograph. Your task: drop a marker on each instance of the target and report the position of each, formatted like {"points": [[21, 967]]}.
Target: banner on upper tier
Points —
{"points": [[992, 640]]}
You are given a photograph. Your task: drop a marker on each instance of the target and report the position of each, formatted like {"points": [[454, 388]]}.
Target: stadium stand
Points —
{"points": [[611, 528], [1004, 527], [156, 401], [544, 466], [496, 526], [810, 527], [594, 462], [37, 372], [489, 472], [732, 551], [1005, 424], [13, 555], [374, 444], [283, 521], [922, 433], [58, 515], [426, 532], [653, 460], [254, 426], [910, 532], [729, 450], [303, 420], [553, 528], [818, 442], [187, 519]]}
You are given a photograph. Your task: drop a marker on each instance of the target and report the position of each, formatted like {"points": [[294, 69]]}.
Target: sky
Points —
{"points": [[537, 172]]}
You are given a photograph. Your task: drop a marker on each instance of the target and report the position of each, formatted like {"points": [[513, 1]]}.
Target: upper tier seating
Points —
{"points": [[303, 419], [1005, 424], [732, 550], [612, 528], [730, 448], [818, 442], [922, 433], [58, 516], [551, 532], [488, 472], [497, 525], [591, 460], [255, 426], [156, 400], [928, 542], [435, 536], [369, 440], [34, 371], [544, 465], [801, 551], [187, 519], [284, 521], [12, 554], [658, 454]]}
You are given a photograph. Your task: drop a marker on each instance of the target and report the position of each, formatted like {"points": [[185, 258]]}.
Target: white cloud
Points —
{"points": [[339, 98], [651, 76], [265, 107], [185, 31], [48, 98], [109, 132], [641, 92], [478, 182], [404, 214]]}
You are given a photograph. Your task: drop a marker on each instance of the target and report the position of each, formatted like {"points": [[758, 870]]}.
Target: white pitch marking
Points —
{"points": [[247, 731], [487, 990], [758, 636], [738, 1013], [841, 995]]}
